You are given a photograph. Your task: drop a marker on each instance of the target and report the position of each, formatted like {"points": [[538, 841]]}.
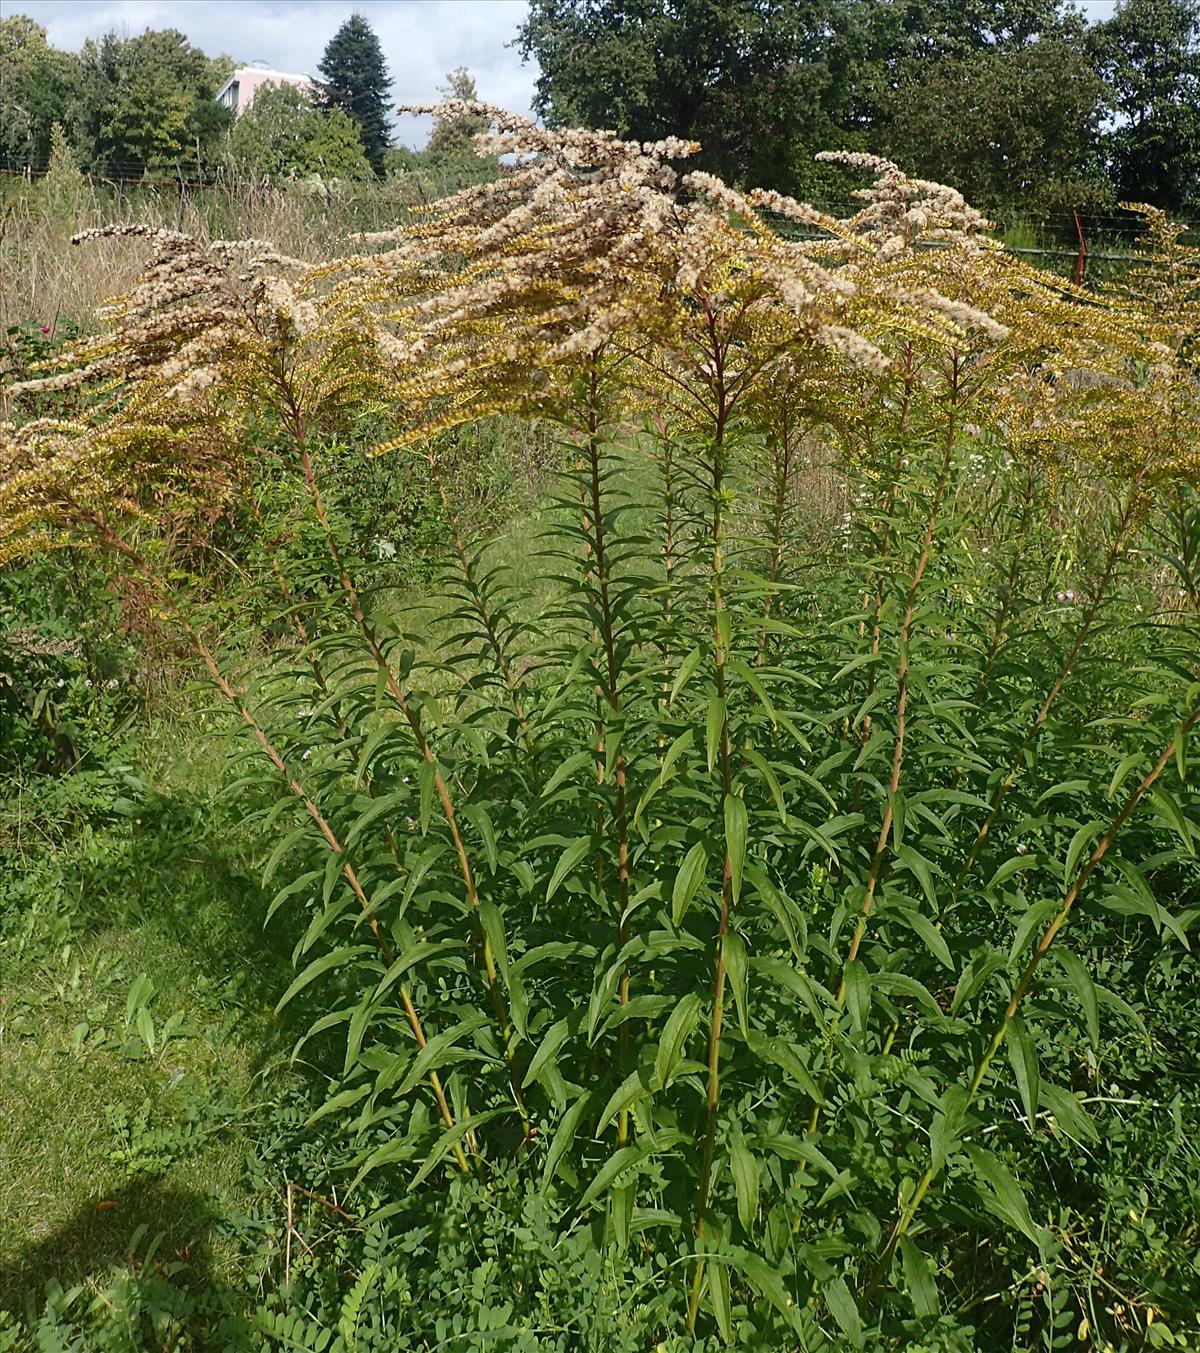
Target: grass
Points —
{"points": [[137, 1049]]}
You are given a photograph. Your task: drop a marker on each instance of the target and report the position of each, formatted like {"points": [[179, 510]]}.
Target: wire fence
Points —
{"points": [[1084, 237]]}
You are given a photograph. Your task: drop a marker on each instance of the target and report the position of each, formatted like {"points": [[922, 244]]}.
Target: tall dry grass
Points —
{"points": [[45, 281]]}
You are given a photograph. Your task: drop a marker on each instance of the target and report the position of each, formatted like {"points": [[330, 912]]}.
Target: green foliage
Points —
{"points": [[452, 136], [1004, 98], [147, 102], [69, 681], [1149, 55], [283, 134], [357, 82], [1008, 126], [36, 87], [750, 81], [755, 911]]}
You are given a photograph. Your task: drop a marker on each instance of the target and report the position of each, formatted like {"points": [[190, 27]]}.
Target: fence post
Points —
{"points": [[1081, 257]]}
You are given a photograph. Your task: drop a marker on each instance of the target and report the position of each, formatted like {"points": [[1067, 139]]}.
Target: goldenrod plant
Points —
{"points": [[702, 867]]}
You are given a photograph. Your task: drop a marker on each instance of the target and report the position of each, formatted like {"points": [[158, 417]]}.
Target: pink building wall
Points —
{"points": [[239, 90]]}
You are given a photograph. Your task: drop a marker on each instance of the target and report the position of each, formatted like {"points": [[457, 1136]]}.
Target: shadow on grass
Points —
{"points": [[178, 871], [147, 1231]]}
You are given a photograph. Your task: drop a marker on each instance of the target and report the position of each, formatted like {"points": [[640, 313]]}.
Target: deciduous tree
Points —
{"points": [[1149, 55], [36, 87]]}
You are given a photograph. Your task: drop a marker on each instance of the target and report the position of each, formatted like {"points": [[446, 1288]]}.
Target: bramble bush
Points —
{"points": [[771, 902]]}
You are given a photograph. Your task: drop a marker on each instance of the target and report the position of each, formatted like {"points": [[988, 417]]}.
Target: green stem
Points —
{"points": [[718, 602]]}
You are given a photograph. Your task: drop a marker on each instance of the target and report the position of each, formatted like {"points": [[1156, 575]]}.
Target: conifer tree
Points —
{"points": [[356, 80]]}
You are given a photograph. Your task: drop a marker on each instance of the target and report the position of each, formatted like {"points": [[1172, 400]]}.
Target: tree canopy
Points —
{"points": [[147, 101], [283, 133], [355, 80], [1149, 56], [1011, 100], [1019, 103]]}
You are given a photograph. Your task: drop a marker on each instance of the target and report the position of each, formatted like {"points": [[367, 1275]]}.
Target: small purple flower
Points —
{"points": [[45, 328]]}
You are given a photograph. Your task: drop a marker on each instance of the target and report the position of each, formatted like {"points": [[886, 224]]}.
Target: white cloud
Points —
{"points": [[421, 39]]}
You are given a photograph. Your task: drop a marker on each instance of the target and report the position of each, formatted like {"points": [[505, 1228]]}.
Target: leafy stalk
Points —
{"points": [[719, 618], [1025, 981], [396, 691], [114, 542]]}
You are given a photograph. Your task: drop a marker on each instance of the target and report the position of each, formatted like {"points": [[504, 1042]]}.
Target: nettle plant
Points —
{"points": [[733, 873]]}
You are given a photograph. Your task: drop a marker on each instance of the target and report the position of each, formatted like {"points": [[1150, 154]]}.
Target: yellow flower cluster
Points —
{"points": [[592, 253]]}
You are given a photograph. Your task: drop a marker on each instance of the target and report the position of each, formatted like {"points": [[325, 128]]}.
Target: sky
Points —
{"points": [[422, 40]]}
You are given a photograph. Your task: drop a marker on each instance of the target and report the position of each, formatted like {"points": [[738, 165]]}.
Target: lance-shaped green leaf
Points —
{"points": [[631, 1089], [736, 827], [1084, 988], [627, 1158], [1003, 1196], [547, 1051], [492, 925], [719, 1303], [431, 1056], [568, 768], [744, 1168], [1023, 1057], [738, 966], [978, 970], [567, 862], [334, 959], [687, 670], [691, 871], [858, 994], [844, 1310], [1033, 921], [449, 1140], [564, 1135], [777, 1050], [918, 1280], [713, 726], [675, 1034]]}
